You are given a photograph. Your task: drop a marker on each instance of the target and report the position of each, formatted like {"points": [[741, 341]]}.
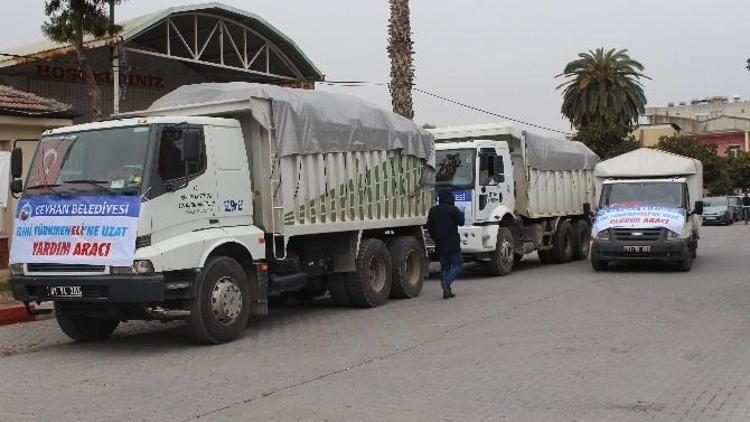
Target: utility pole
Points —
{"points": [[115, 62]]}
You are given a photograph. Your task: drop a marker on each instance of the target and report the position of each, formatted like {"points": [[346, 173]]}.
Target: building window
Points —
{"points": [[734, 150]]}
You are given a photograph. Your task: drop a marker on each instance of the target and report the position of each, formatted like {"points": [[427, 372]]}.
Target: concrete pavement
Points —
{"points": [[556, 343]]}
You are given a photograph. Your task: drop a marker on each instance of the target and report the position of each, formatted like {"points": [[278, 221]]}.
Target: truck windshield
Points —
{"points": [[455, 167], [715, 201], [667, 194], [112, 158]]}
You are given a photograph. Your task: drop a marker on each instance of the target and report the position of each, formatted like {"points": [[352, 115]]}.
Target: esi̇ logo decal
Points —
{"points": [[234, 205]]}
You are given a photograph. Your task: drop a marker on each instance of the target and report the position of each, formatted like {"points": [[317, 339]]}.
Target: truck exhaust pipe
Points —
{"points": [[159, 313]]}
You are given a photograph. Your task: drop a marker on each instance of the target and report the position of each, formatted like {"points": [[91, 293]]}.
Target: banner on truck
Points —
{"points": [[89, 230], [639, 217]]}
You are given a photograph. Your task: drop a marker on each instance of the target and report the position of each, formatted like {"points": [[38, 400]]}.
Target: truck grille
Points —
{"points": [[637, 235], [64, 268]]}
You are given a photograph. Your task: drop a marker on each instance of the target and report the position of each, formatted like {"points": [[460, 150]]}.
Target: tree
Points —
{"points": [[737, 171], [401, 53], [706, 153], [607, 140], [70, 21], [603, 87]]}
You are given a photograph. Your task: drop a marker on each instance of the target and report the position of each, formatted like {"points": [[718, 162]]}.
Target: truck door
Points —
{"points": [[182, 197], [494, 182]]}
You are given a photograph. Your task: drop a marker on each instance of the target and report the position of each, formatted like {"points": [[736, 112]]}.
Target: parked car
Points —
{"points": [[735, 203], [716, 210]]}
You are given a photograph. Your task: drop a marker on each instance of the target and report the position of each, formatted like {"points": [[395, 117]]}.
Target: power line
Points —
{"points": [[448, 100]]}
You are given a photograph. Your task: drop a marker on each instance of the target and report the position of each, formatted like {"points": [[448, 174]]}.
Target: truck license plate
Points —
{"points": [[65, 291], [636, 249]]}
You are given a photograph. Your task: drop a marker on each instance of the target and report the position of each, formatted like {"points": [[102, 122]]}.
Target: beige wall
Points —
{"points": [[649, 136], [27, 130]]}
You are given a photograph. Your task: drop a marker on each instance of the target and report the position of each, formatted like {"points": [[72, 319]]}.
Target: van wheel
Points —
{"points": [[562, 250], [221, 309], [501, 261], [84, 328], [370, 284], [687, 263], [409, 267], [581, 240]]}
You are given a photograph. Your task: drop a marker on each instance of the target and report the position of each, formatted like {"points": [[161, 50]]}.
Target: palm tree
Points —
{"points": [[69, 22], [603, 87], [401, 52]]}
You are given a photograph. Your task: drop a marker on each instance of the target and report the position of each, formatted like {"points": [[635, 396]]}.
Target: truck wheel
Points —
{"points": [[599, 265], [562, 249], [336, 284], [370, 284], [84, 328], [501, 261], [221, 309], [409, 267], [581, 240]]}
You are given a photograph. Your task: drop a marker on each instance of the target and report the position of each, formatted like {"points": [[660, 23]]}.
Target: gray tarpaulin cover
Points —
{"points": [[309, 122], [558, 154]]}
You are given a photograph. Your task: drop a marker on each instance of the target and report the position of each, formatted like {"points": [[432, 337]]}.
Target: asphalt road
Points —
{"points": [[547, 343]]}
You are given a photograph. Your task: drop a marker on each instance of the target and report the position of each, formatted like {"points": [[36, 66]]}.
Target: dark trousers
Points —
{"points": [[450, 267], [746, 213]]}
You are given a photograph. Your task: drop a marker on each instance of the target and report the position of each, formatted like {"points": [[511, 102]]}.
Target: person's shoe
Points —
{"points": [[447, 292]]}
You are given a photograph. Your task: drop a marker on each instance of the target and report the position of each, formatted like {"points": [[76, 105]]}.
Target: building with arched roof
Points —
{"points": [[156, 53]]}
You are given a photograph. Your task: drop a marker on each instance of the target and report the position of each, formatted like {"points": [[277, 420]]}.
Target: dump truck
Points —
{"points": [[520, 193], [218, 199], [650, 206]]}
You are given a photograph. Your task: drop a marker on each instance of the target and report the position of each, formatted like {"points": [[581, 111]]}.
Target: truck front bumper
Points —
{"points": [[673, 250], [108, 288]]}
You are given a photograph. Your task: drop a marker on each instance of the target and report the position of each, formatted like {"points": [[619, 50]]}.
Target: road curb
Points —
{"points": [[14, 315]]}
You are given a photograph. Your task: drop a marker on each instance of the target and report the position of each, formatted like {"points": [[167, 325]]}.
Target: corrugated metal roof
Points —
{"points": [[131, 28], [13, 101]]}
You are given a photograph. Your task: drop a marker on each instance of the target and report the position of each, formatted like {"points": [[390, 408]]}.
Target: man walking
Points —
{"points": [[746, 207], [442, 223]]}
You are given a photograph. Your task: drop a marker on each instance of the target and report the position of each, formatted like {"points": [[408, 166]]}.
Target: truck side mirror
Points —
{"points": [[699, 207], [16, 186], [16, 163], [191, 145]]}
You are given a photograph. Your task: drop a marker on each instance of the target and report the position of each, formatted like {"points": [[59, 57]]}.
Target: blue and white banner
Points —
{"points": [[90, 230], [639, 216]]}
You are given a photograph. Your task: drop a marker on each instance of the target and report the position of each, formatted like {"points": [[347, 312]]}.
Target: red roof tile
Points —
{"points": [[13, 101]]}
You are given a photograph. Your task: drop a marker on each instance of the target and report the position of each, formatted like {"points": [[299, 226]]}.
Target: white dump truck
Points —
{"points": [[519, 192], [217, 198], [650, 206]]}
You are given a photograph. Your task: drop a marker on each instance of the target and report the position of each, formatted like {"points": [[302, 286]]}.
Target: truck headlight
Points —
{"points": [[16, 269], [672, 235], [139, 267], [603, 235]]}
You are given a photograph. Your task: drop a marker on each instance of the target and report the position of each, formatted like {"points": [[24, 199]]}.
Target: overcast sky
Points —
{"points": [[501, 55]]}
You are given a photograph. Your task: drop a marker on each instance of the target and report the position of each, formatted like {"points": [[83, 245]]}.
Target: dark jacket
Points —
{"points": [[746, 201], [443, 222]]}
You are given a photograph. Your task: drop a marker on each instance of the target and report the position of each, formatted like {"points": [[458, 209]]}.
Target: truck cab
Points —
{"points": [[479, 173]]}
